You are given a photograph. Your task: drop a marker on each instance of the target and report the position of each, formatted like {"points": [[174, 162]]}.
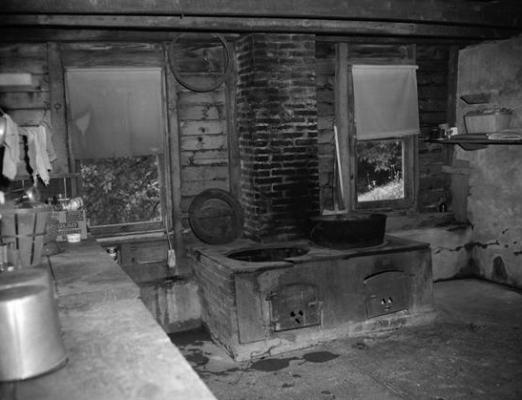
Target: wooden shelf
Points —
{"points": [[475, 143]]}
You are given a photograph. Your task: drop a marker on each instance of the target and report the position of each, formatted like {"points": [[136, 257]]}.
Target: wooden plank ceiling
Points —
{"points": [[422, 18]]}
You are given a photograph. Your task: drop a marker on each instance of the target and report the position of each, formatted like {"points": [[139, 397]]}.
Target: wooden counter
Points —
{"points": [[116, 350]]}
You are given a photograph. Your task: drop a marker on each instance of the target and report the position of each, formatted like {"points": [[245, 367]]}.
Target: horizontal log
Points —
{"points": [[203, 173], [370, 50], [206, 157], [236, 24], [432, 118], [433, 92], [438, 78], [24, 50], [498, 13], [206, 142], [200, 112], [24, 100], [45, 34], [40, 84], [432, 53], [215, 97], [111, 55], [196, 187], [208, 127], [28, 117], [34, 65], [436, 105]]}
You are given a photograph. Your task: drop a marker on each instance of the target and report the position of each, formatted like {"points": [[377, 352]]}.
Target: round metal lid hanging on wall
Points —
{"points": [[200, 62], [216, 217]]}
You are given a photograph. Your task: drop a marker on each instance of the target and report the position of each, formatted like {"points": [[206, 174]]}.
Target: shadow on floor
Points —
{"points": [[473, 350]]}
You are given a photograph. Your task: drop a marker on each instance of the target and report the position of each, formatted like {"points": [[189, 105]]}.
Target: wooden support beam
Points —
{"points": [[234, 167], [58, 110], [502, 13], [46, 34], [236, 24], [342, 121], [173, 146]]}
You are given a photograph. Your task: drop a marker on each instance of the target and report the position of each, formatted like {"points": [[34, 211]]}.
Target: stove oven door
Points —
{"points": [[386, 293], [294, 306]]}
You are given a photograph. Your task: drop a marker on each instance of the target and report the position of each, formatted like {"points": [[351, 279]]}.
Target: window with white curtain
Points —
{"points": [[117, 136], [386, 119]]}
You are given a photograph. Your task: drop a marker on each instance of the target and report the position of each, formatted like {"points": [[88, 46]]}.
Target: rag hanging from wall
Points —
{"points": [[200, 62], [12, 147], [40, 149]]}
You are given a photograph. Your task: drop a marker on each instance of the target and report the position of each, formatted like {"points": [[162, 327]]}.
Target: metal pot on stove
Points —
{"points": [[348, 230]]}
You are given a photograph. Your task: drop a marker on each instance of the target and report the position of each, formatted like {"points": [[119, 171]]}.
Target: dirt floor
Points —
{"points": [[473, 350]]}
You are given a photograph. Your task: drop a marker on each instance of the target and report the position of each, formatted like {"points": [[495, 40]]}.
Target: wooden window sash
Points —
{"points": [[345, 124]]}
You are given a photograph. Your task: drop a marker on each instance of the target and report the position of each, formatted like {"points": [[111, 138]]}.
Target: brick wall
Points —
{"points": [[277, 126]]}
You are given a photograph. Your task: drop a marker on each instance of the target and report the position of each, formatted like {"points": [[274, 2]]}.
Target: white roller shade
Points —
{"points": [[385, 101], [115, 112]]}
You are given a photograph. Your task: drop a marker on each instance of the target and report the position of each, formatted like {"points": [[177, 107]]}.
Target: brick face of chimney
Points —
{"points": [[277, 125]]}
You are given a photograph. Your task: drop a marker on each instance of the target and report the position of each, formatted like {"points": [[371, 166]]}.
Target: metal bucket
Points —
{"points": [[30, 334]]}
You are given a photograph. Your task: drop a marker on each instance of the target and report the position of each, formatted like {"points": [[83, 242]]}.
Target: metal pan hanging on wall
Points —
{"points": [[195, 66], [216, 217]]}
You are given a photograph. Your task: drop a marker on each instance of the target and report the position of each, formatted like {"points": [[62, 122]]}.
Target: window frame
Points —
{"points": [[345, 124], [165, 157], [409, 149]]}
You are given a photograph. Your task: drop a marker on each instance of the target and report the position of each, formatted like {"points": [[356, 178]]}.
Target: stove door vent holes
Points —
{"points": [[386, 292], [294, 306]]}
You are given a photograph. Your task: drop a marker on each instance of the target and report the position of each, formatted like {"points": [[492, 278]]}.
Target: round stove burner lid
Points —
{"points": [[216, 217]]}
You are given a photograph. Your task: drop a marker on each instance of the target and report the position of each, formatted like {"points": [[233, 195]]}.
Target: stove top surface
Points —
{"points": [[220, 253]]}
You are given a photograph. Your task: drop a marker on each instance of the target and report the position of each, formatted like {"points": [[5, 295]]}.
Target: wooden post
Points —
{"points": [[343, 118], [174, 158], [451, 107], [233, 140], [57, 108]]}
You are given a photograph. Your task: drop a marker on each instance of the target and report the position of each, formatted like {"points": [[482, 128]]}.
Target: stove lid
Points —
{"points": [[216, 217]]}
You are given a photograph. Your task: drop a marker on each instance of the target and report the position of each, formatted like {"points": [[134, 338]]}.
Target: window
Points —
{"points": [[378, 136], [386, 122], [117, 141]]}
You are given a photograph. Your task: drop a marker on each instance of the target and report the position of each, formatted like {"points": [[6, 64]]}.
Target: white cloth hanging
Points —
{"points": [[39, 160], [385, 101], [12, 149]]}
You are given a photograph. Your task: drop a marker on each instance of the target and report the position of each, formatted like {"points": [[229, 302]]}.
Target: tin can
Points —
{"points": [[73, 204]]}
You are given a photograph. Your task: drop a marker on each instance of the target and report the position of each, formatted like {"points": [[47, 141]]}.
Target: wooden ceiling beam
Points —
{"points": [[500, 13], [232, 24], [37, 35]]}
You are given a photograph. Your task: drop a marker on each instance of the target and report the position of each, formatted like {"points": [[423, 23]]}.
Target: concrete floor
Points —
{"points": [[473, 350]]}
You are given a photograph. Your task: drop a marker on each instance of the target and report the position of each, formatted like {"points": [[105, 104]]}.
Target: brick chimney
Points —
{"points": [[277, 125]]}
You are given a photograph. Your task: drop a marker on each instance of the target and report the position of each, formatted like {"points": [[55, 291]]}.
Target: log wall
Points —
{"points": [[201, 131], [200, 123]]}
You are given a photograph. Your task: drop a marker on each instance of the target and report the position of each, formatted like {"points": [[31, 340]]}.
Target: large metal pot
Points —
{"points": [[349, 230], [30, 334]]}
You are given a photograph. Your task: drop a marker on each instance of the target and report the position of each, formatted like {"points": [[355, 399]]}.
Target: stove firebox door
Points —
{"points": [[294, 306], [386, 293]]}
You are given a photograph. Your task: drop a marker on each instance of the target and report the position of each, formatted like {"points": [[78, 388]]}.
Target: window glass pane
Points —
{"points": [[380, 172], [121, 190]]}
